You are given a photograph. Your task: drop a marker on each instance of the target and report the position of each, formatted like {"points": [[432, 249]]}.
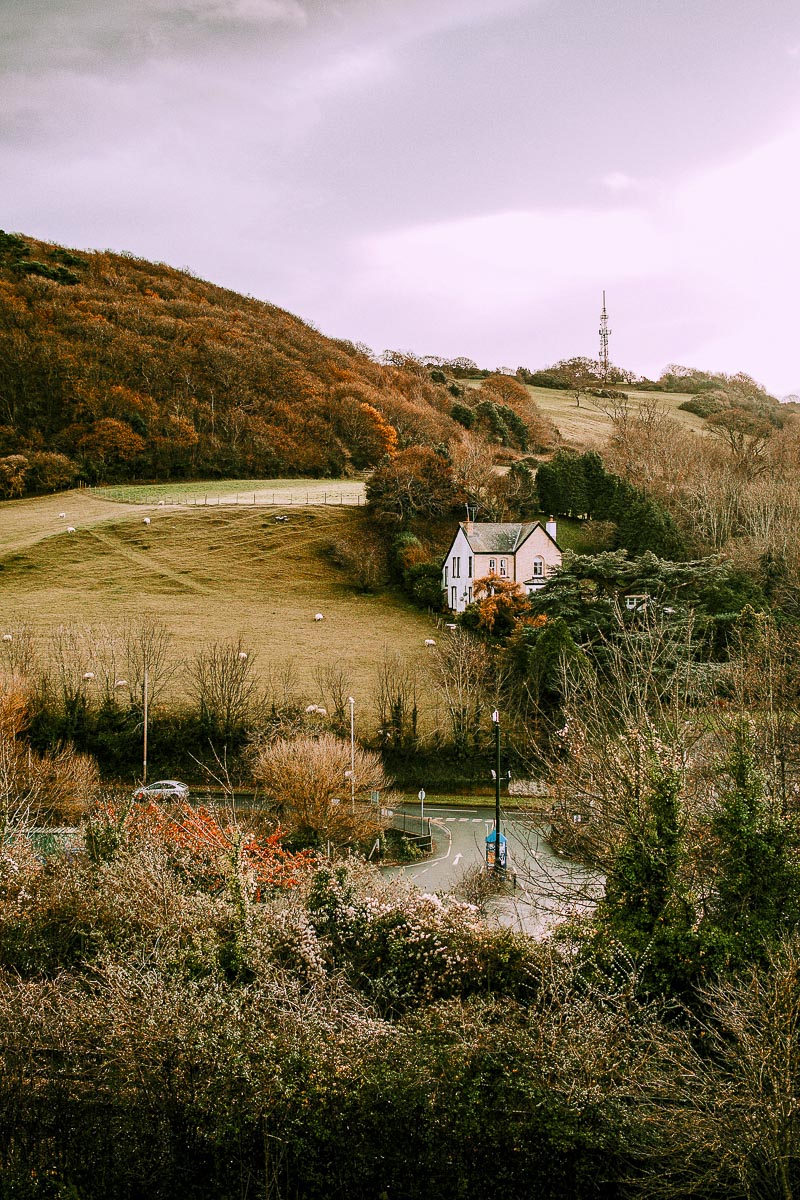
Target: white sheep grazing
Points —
{"points": [[88, 675], [160, 503], [242, 654], [318, 616], [62, 516], [120, 683], [147, 520], [70, 529], [451, 626], [8, 637], [430, 641]]}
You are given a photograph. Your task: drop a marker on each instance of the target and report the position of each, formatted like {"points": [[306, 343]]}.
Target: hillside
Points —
{"points": [[113, 368], [207, 574]]}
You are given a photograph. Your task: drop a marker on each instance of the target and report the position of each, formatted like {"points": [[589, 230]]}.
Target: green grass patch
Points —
{"points": [[236, 491]]}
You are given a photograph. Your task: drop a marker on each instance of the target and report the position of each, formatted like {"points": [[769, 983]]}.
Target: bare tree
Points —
{"points": [[305, 781], [395, 695], [626, 715], [224, 686], [335, 686], [146, 647], [18, 648], [469, 683]]}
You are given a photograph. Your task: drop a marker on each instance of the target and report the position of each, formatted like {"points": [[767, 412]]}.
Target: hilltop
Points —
{"points": [[113, 368]]}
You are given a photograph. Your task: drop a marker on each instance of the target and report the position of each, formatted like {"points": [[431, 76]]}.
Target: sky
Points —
{"points": [[447, 177]]}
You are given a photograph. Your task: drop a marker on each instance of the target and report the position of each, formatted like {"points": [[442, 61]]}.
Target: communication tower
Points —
{"points": [[604, 336]]}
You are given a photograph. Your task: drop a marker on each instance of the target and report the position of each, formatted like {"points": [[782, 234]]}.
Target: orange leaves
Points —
{"points": [[500, 604], [212, 850]]}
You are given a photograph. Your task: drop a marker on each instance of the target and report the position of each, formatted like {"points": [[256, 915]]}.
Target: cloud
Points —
{"points": [[713, 263], [258, 12]]}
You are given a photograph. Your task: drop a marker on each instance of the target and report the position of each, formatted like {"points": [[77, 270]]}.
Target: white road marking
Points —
{"points": [[463, 820], [450, 818], [457, 859]]}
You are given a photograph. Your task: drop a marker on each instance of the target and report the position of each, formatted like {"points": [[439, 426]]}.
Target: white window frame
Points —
{"points": [[538, 567]]}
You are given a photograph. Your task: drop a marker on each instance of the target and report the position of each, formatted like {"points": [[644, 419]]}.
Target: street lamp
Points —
{"points": [[496, 773], [352, 704]]}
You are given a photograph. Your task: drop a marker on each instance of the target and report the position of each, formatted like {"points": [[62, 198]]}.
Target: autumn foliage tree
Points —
{"points": [[417, 482], [130, 368]]}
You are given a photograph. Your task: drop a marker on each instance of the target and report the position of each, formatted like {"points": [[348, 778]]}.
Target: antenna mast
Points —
{"points": [[604, 335]]}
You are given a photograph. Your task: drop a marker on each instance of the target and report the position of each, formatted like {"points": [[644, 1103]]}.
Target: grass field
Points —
{"points": [[238, 491], [589, 425], [209, 574]]}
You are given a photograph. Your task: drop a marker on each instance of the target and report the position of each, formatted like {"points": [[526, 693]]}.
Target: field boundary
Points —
{"points": [[216, 498]]}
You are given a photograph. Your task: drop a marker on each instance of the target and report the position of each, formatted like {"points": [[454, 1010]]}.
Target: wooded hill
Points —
{"points": [[112, 367]]}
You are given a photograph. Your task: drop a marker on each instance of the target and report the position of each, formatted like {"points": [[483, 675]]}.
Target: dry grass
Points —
{"points": [[208, 574], [588, 425]]}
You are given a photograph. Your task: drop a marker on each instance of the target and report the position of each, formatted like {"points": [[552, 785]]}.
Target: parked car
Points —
{"points": [[163, 789]]}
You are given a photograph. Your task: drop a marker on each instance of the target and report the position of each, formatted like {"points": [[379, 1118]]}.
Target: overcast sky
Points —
{"points": [[453, 177]]}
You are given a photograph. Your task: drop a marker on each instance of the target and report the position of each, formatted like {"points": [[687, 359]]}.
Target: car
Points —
{"points": [[163, 789]]}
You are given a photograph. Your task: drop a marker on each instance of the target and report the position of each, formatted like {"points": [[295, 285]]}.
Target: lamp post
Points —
{"points": [[496, 773], [352, 704], [144, 716]]}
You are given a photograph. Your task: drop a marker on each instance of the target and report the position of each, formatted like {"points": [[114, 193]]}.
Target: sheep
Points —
{"points": [[120, 683], [316, 708], [8, 637], [88, 675], [243, 654], [451, 625], [160, 503], [70, 529], [318, 617], [62, 516], [147, 520], [430, 641]]}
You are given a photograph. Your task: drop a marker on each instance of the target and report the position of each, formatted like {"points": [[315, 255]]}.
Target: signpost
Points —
{"points": [[421, 795]]}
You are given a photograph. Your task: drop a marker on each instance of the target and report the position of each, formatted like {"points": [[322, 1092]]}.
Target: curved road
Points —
{"points": [[548, 889]]}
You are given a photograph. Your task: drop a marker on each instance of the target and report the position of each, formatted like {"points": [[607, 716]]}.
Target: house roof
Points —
{"points": [[493, 537]]}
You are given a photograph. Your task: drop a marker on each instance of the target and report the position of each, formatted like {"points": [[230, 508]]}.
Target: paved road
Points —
{"points": [[548, 887]]}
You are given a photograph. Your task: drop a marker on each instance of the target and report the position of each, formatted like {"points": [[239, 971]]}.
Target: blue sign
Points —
{"points": [[491, 845]]}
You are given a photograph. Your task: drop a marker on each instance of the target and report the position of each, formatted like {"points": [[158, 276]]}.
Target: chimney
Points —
{"points": [[470, 521], [550, 527]]}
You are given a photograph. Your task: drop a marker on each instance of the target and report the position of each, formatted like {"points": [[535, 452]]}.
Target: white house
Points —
{"points": [[525, 552]]}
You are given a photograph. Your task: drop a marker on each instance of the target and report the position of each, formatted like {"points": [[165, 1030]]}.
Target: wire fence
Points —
{"points": [[257, 499]]}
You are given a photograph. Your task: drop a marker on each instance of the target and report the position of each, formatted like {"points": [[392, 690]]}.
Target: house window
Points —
{"points": [[538, 568], [469, 595], [503, 570], [469, 567], [445, 575], [454, 597], [491, 566], [456, 568]]}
